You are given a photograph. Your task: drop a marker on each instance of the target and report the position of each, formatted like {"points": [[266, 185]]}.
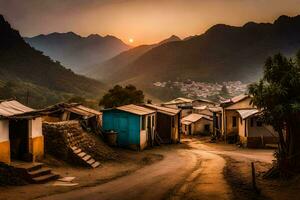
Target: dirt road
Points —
{"points": [[195, 172]]}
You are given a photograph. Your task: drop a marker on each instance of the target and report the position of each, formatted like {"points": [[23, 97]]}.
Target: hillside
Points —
{"points": [[21, 63], [77, 52], [104, 71], [222, 53]]}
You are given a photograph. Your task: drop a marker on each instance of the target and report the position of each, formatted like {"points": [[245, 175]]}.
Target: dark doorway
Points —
{"points": [[190, 129], [149, 131], [19, 139], [206, 128], [164, 127]]}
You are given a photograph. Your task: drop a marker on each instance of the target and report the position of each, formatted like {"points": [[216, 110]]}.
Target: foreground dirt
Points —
{"points": [[195, 169], [130, 162]]}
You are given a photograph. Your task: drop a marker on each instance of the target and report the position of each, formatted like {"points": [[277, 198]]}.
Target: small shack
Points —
{"points": [[21, 135], [167, 123], [133, 124], [186, 105], [252, 132], [73, 111], [196, 124]]}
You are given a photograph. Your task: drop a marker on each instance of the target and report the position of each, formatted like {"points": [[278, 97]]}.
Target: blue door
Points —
{"points": [[123, 135]]}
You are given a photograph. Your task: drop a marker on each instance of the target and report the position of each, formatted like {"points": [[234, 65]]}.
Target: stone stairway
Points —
{"points": [[85, 158], [35, 172]]}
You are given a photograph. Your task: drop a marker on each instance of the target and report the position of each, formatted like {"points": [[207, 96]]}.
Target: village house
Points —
{"points": [[195, 124], [241, 123], [21, 135], [187, 105], [133, 124], [73, 111], [167, 123]]}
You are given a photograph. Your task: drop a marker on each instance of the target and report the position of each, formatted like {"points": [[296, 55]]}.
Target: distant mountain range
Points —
{"points": [[76, 52], [104, 71], [23, 65], [222, 53]]}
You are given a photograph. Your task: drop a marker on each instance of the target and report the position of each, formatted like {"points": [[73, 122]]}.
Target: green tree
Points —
{"points": [[278, 95], [119, 96], [224, 92]]}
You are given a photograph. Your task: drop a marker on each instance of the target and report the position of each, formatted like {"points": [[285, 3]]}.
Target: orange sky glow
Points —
{"points": [[143, 21]]}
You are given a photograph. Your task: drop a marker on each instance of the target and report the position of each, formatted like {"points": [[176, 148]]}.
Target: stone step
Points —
{"points": [[32, 167], [74, 148], [45, 178], [81, 154], [86, 157], [91, 161], [96, 164], [39, 172], [77, 151]]}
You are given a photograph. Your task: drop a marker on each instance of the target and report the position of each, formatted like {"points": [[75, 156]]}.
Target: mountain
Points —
{"points": [[78, 52], [22, 65], [222, 53], [107, 69]]}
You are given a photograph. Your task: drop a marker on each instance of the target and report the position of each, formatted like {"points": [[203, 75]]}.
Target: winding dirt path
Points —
{"points": [[191, 173]]}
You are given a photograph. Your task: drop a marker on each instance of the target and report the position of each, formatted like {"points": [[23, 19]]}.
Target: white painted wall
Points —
{"points": [[35, 127], [4, 130]]}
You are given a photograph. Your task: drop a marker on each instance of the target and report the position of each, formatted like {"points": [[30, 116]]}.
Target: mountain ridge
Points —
{"points": [[75, 51], [19, 62], [221, 49]]}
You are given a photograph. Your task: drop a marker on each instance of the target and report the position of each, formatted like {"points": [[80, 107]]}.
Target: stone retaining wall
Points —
{"points": [[61, 136]]}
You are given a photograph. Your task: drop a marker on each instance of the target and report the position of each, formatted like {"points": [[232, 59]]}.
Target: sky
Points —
{"points": [[139, 21]]}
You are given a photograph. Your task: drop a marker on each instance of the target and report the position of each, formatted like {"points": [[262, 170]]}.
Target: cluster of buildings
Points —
{"points": [[194, 89], [235, 120]]}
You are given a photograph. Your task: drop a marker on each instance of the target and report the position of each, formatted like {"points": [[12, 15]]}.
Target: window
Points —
{"points": [[143, 122], [233, 121], [251, 122], [258, 123]]}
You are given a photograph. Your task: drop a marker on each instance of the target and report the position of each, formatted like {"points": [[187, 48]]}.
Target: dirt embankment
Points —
{"points": [[238, 175]]}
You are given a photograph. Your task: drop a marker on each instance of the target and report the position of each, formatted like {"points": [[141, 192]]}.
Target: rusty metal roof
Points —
{"points": [[11, 108], [71, 107], [234, 100], [138, 110], [82, 110], [179, 101], [164, 110], [247, 113], [194, 118]]}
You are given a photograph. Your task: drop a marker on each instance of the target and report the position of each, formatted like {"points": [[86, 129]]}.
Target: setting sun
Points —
{"points": [[131, 40]]}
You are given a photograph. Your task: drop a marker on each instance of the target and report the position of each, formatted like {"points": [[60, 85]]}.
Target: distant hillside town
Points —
{"points": [[195, 89]]}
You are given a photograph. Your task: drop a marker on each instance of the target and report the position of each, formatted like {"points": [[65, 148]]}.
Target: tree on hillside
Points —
{"points": [[224, 92], [119, 96], [278, 95]]}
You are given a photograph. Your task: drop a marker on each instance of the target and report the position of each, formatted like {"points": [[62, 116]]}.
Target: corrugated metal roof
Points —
{"points": [[235, 99], [247, 113], [215, 109], [82, 110], [179, 100], [200, 107], [194, 117], [138, 110], [165, 110], [211, 109], [12, 107]]}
